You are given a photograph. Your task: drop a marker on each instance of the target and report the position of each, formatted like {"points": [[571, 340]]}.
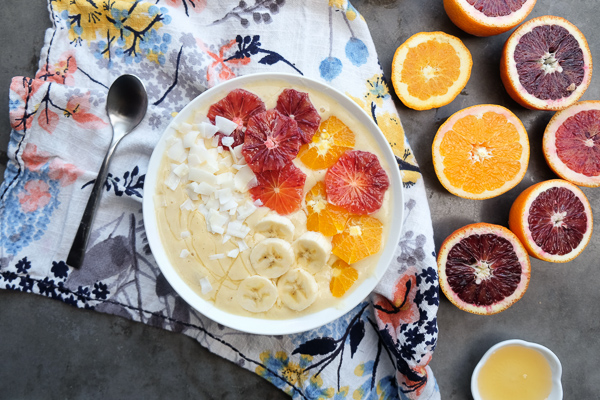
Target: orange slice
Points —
{"points": [[330, 141], [323, 216], [430, 69], [481, 152], [361, 238], [342, 279], [553, 219], [487, 17]]}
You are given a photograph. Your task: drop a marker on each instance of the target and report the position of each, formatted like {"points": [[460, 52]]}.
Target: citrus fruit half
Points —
{"points": [[430, 69], [487, 17], [483, 268], [572, 143], [546, 64], [481, 152], [553, 219]]}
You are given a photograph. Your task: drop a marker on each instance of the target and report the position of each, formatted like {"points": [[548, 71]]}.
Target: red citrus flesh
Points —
{"points": [[572, 144], [238, 106], [357, 182], [271, 141], [281, 190], [297, 106], [497, 8], [483, 268]]}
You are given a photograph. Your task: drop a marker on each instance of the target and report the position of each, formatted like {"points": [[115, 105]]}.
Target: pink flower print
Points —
{"points": [[402, 309], [196, 5], [21, 90], [78, 107], [61, 72], [67, 174], [35, 196], [34, 159]]}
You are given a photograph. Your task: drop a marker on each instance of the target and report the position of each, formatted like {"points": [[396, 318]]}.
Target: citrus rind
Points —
{"points": [[549, 145], [401, 88], [438, 159], [519, 214], [479, 229], [475, 22], [510, 76]]}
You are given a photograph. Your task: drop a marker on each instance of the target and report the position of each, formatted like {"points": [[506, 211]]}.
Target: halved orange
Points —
{"points": [[553, 219], [330, 141], [342, 279], [361, 238], [487, 17], [546, 64], [481, 152], [430, 69], [323, 216], [483, 268]]}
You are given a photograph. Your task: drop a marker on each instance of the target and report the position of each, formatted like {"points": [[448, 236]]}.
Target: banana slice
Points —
{"points": [[276, 226], [312, 251], [298, 289], [272, 257], [256, 294]]}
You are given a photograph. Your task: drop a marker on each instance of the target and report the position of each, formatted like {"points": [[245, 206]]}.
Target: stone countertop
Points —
{"points": [[52, 350]]}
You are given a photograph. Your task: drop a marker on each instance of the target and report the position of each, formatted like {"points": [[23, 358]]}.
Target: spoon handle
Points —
{"points": [[79, 246]]}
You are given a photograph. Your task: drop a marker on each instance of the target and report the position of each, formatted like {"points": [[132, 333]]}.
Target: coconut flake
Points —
{"points": [[199, 153], [190, 189], [215, 141], [190, 138], [227, 141], [181, 170], [237, 229], [207, 130], [243, 178], [205, 286], [246, 210], [172, 181], [219, 229], [226, 238], [237, 152], [224, 178], [184, 253], [224, 195], [185, 234], [217, 219], [184, 128], [205, 188], [242, 245], [188, 205], [226, 161], [216, 256], [230, 205], [258, 203], [233, 253], [200, 175], [212, 204], [177, 151], [224, 125]]}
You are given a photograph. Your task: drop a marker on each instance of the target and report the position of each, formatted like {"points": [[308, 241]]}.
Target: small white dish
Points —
{"points": [[258, 325], [553, 361]]}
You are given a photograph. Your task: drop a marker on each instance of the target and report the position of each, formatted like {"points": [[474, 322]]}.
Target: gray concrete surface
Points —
{"points": [[51, 350]]}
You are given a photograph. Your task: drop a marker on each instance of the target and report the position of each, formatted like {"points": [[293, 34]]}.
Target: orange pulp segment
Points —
{"points": [[361, 238], [323, 216], [342, 279], [430, 69], [330, 141], [481, 152]]}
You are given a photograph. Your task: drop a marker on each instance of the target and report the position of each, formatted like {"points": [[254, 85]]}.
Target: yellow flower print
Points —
{"points": [[339, 4], [377, 90], [281, 371]]}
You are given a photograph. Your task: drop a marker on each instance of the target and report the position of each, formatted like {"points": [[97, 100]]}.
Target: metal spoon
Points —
{"points": [[126, 106]]}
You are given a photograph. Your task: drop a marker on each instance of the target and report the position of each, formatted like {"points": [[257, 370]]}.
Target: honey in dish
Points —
{"points": [[515, 373]]}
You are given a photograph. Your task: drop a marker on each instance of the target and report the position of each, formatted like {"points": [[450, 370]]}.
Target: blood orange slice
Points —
{"points": [[483, 268], [572, 143], [238, 106], [553, 219], [357, 182], [481, 152], [281, 190], [298, 107], [487, 17], [546, 64], [271, 141]]}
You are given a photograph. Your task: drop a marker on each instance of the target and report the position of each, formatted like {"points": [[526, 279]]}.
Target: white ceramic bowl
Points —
{"points": [[553, 361], [258, 325]]}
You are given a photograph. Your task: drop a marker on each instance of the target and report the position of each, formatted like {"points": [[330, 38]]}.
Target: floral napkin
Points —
{"points": [[381, 349]]}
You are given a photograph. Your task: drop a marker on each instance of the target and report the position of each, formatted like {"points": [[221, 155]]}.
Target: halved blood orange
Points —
{"points": [[572, 143], [343, 277], [330, 141], [323, 216], [546, 64], [487, 17], [430, 69], [483, 268], [481, 152], [361, 238], [553, 219]]}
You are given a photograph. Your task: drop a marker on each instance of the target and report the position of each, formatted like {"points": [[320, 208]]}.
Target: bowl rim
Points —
{"points": [[553, 361], [273, 326]]}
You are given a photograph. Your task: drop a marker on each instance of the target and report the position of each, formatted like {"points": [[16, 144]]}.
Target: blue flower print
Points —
{"points": [[100, 291], [357, 51], [23, 265], [330, 68], [60, 269]]}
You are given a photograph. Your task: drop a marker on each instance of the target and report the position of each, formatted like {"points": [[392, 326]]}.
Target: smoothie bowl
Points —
{"points": [[273, 204]]}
